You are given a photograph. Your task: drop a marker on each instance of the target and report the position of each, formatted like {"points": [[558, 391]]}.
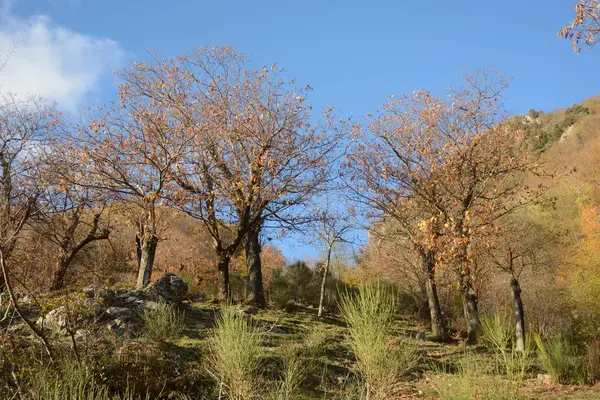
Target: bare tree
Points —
{"points": [[518, 244], [457, 160], [25, 126], [71, 218], [251, 152], [331, 227], [127, 152]]}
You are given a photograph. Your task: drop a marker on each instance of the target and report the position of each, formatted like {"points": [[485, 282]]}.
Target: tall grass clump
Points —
{"points": [[471, 380], [299, 361], [70, 383], [562, 359], [380, 362], [163, 322], [235, 355], [497, 333]]}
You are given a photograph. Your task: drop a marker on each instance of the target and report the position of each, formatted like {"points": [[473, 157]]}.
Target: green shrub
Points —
{"points": [[561, 359], [379, 361], [235, 355], [471, 381], [497, 333], [163, 322], [72, 382], [298, 362], [280, 293]]}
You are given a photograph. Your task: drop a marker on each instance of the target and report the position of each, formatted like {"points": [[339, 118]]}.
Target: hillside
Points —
{"points": [[184, 247]]}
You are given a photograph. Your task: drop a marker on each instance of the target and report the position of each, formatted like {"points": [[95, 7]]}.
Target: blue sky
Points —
{"points": [[353, 53]]}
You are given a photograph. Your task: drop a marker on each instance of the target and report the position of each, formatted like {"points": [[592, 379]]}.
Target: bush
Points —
{"points": [[533, 113], [298, 362], [280, 291], [234, 355], [497, 333], [562, 360], [379, 361], [471, 382], [163, 322], [72, 382]]}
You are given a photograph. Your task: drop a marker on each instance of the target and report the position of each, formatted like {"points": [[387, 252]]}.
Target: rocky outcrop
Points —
{"points": [[170, 288], [119, 310]]}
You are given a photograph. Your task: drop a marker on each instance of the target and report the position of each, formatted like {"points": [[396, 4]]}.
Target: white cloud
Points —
{"points": [[52, 61]]}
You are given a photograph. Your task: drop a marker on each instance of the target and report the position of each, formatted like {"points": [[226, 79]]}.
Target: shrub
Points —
{"points": [[140, 364], [72, 382], [280, 292], [497, 333], [379, 361], [234, 355], [561, 359], [533, 113], [298, 362], [471, 382], [163, 322]]}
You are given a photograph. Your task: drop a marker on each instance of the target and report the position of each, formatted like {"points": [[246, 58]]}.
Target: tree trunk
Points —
{"points": [[147, 251], [37, 331], [470, 308], [58, 281], [325, 273], [438, 326], [224, 287], [515, 290], [254, 292], [470, 299]]}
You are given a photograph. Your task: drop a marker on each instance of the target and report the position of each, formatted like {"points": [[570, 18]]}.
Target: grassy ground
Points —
{"points": [[182, 364], [335, 364]]}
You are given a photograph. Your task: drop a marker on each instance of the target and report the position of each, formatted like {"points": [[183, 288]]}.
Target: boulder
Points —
{"points": [[170, 288]]}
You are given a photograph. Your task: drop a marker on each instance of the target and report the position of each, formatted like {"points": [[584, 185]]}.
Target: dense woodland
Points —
{"points": [[480, 277]]}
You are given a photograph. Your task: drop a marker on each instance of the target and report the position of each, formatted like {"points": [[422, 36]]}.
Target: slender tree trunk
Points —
{"points": [[515, 291], [62, 265], [147, 251], [138, 248], [254, 292], [224, 287], [470, 299], [38, 332], [324, 281], [470, 307], [438, 326]]}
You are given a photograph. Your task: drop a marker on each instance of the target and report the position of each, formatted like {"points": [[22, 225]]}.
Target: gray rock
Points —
{"points": [[112, 326], [80, 334], [15, 328], [119, 312], [55, 320], [89, 291], [123, 328], [545, 378], [131, 300], [420, 336], [153, 305], [170, 288]]}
